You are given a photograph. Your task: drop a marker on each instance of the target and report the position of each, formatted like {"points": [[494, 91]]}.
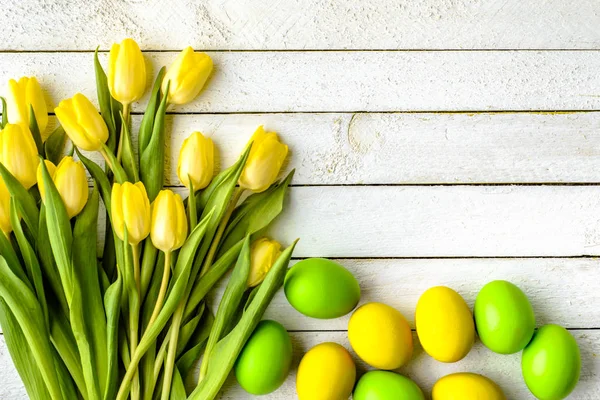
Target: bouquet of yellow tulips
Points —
{"points": [[133, 322]]}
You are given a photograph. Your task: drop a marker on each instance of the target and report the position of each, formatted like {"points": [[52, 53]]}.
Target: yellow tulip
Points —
{"points": [[23, 94], [70, 181], [5, 223], [187, 75], [264, 161], [19, 154], [126, 72], [169, 223], [82, 122], [130, 210], [196, 160], [263, 254]]}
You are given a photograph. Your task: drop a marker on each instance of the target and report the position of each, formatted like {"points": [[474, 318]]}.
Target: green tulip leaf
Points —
{"points": [[59, 233], [54, 146], [147, 124], [112, 306], [22, 357], [27, 311], [87, 314], [105, 101], [129, 161], [229, 302], [228, 349], [152, 158], [35, 131], [27, 204], [30, 260], [256, 213], [4, 113], [195, 346]]}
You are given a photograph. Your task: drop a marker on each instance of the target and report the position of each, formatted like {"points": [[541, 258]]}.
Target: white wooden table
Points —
{"points": [[424, 134]]}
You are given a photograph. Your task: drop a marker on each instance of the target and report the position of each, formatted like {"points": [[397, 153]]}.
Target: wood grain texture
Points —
{"points": [[562, 291], [301, 24], [438, 221], [353, 81], [331, 149], [434, 221], [505, 370]]}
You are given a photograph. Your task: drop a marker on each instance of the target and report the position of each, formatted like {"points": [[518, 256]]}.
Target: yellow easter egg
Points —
{"points": [[445, 324], [326, 372], [381, 336], [466, 386]]}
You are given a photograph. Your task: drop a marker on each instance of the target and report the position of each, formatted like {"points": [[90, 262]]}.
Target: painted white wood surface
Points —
{"points": [[354, 81], [302, 24], [412, 148], [401, 148], [440, 221]]}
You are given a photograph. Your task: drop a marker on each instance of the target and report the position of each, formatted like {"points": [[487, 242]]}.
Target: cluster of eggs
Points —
{"points": [[380, 335]]}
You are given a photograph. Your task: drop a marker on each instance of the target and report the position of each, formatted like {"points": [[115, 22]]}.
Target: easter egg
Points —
{"points": [[504, 317], [385, 385], [444, 324], [381, 336], [466, 386], [551, 363], [264, 363], [326, 372], [321, 288]]}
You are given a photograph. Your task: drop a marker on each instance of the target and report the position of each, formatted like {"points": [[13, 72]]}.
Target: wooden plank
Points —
{"points": [[505, 370], [302, 24], [444, 148], [355, 81], [562, 291], [440, 221]]}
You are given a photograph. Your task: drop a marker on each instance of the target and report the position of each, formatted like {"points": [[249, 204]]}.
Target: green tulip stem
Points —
{"points": [[135, 319], [163, 288], [123, 126], [217, 239], [170, 362], [192, 205]]}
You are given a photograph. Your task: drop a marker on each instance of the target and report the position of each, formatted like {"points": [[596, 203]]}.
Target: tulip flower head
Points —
{"points": [[126, 72], [264, 161], [5, 223], [82, 122], [169, 223], [196, 161], [263, 254], [130, 209], [19, 154], [70, 181], [187, 76], [22, 95]]}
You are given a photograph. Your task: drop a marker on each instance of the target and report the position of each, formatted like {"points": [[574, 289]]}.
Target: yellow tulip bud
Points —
{"points": [[126, 72], [19, 154], [23, 94], [196, 160], [5, 223], [263, 254], [187, 75], [169, 223], [70, 181], [82, 122], [264, 161], [130, 210]]}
